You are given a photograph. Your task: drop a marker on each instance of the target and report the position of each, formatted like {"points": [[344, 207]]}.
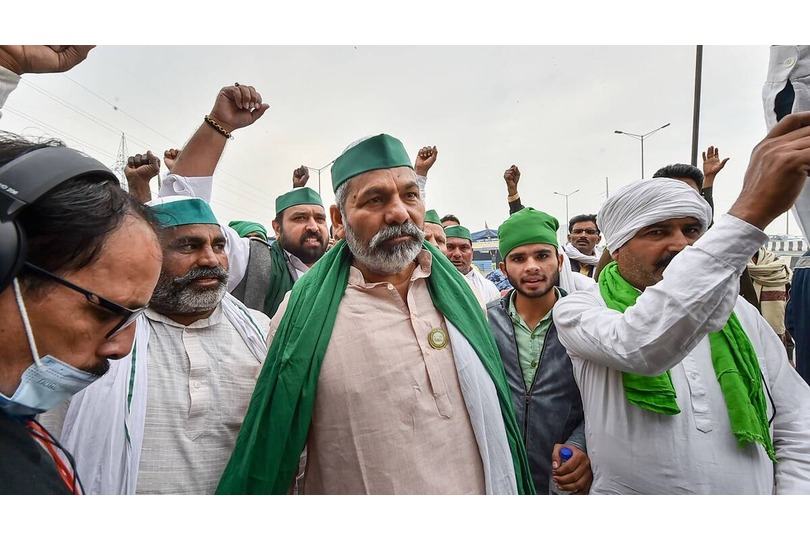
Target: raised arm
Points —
{"points": [[17, 60], [139, 171], [512, 176], [300, 176], [23, 59], [425, 159], [642, 340], [235, 107]]}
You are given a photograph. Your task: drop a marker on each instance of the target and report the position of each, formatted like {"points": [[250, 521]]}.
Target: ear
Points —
{"points": [[337, 218], [502, 266], [276, 227], [560, 262]]}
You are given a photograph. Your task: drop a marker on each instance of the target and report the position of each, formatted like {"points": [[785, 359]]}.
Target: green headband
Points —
{"points": [[528, 226], [457, 231], [302, 195], [244, 228], [191, 211], [379, 152], [431, 216]]}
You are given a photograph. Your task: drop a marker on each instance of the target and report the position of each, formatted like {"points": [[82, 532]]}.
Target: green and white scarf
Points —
{"points": [[735, 365], [274, 433]]}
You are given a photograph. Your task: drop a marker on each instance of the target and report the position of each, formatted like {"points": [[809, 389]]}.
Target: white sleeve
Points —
{"points": [[192, 186], [696, 296], [8, 82], [790, 63], [238, 251], [422, 181]]}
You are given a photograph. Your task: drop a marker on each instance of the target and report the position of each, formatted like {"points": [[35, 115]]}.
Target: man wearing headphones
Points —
{"points": [[79, 259]]}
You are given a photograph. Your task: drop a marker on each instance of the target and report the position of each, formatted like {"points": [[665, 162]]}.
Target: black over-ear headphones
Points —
{"points": [[22, 182]]}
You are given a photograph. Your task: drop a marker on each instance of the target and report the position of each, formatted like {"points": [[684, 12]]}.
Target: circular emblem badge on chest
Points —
{"points": [[437, 338]]}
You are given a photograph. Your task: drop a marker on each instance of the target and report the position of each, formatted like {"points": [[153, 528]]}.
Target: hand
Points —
{"points": [[300, 176], [425, 159], [42, 58], [574, 475], [169, 157], [140, 169], [776, 172], [512, 177], [237, 107], [712, 165]]}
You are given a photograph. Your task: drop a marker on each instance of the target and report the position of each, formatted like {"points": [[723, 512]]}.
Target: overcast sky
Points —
{"points": [[551, 110]]}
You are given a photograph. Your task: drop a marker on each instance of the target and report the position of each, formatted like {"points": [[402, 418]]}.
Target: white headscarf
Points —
{"points": [[645, 203]]}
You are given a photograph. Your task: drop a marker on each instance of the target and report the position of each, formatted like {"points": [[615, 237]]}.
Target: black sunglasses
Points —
{"points": [[127, 315]]}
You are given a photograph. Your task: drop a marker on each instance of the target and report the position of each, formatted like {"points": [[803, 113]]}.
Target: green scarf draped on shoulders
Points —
{"points": [[735, 365], [281, 280], [274, 433]]}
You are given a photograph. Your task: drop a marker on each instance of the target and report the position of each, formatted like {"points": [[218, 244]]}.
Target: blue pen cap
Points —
{"points": [[566, 454]]}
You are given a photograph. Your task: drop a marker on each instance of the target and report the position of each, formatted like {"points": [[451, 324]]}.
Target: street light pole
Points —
{"points": [[566, 202], [641, 138], [319, 173]]}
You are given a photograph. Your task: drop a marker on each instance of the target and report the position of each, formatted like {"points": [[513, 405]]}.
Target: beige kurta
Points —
{"points": [[389, 415]]}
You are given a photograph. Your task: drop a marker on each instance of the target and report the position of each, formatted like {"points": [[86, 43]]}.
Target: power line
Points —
{"points": [[117, 108], [247, 195], [250, 195], [59, 132]]}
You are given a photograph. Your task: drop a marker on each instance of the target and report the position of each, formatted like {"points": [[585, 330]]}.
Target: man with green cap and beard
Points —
{"points": [[258, 277], [538, 369], [165, 418], [380, 364]]}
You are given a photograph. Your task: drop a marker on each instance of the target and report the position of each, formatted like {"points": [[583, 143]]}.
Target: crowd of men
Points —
{"points": [[150, 348]]}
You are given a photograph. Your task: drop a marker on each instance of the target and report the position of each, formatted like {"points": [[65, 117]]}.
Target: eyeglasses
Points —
{"points": [[127, 315], [585, 231]]}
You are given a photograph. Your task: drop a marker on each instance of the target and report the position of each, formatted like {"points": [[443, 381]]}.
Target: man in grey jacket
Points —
{"points": [[545, 395]]}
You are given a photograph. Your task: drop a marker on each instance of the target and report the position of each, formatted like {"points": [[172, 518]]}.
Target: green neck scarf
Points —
{"points": [[274, 432], [281, 280], [735, 365]]}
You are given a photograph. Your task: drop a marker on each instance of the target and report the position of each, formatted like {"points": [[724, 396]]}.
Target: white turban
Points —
{"points": [[645, 203]]}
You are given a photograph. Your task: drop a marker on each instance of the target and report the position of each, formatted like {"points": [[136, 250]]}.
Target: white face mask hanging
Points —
{"points": [[46, 383]]}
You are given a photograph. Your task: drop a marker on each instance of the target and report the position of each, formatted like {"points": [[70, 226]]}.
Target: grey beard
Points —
{"points": [[386, 261], [176, 296]]}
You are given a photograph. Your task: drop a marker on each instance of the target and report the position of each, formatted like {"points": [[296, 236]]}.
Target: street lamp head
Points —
{"points": [[619, 132]]}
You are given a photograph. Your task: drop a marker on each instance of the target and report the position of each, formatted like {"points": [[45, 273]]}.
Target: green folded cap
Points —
{"points": [[528, 226], [432, 216], [244, 228], [379, 152], [458, 231], [185, 211], [301, 195]]}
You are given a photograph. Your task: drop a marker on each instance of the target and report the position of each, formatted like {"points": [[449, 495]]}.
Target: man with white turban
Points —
{"points": [[685, 387]]}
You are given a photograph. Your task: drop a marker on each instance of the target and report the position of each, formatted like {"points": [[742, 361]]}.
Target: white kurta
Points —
{"points": [[182, 413], [484, 289], [637, 451]]}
